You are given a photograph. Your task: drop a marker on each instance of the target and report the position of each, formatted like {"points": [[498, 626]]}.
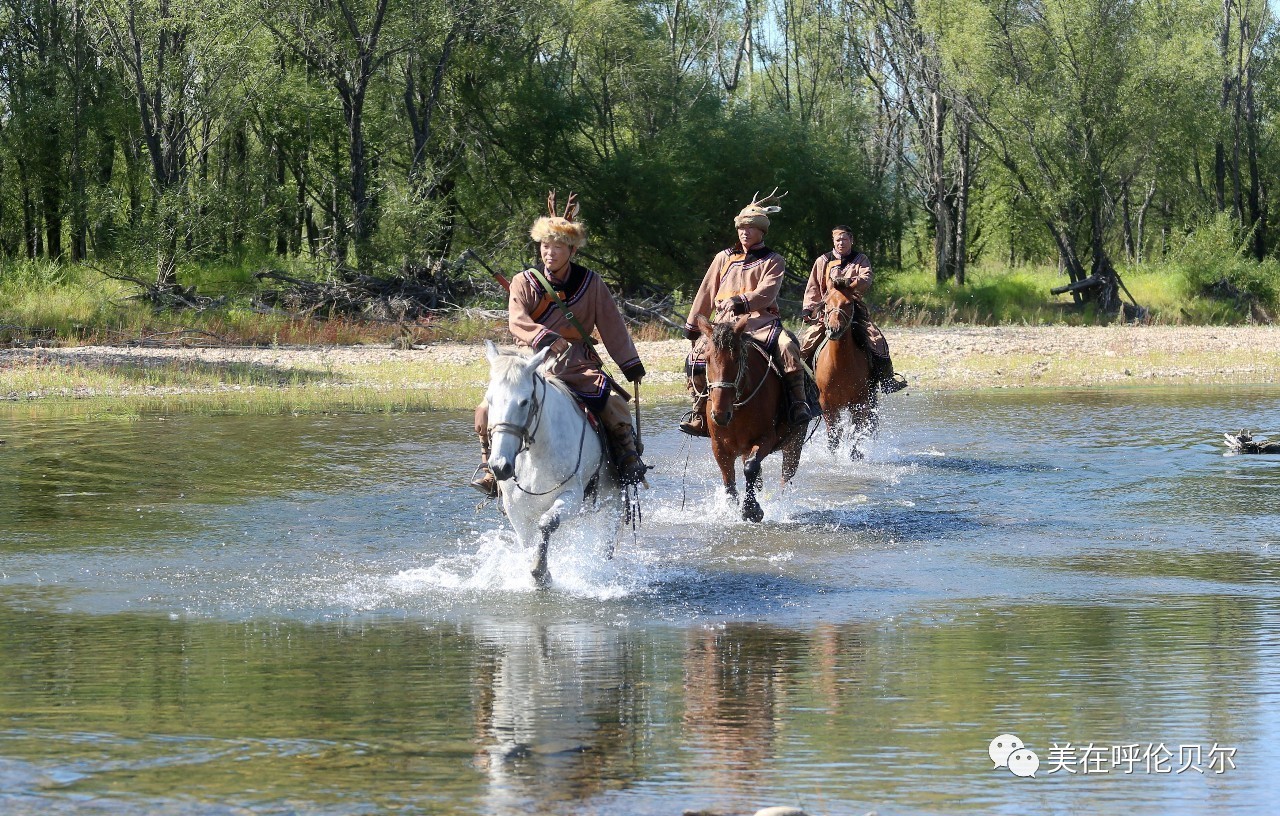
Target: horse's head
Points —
{"points": [[512, 397], [726, 366], [837, 308]]}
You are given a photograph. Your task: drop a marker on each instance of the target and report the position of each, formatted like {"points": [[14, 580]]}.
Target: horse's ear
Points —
{"points": [[538, 359], [703, 324], [491, 351], [741, 324]]}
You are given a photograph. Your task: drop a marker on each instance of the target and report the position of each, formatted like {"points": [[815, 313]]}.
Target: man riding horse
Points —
{"points": [[844, 263], [560, 304], [744, 281]]}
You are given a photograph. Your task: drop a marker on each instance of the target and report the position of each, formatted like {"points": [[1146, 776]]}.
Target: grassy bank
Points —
{"points": [[68, 304], [453, 375]]}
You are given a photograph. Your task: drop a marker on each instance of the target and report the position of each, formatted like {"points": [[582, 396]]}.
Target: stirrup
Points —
{"points": [[894, 384], [799, 413], [632, 469], [484, 481], [689, 424]]}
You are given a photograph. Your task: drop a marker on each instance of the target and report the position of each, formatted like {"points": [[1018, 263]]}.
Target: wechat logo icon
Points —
{"points": [[1007, 751]]}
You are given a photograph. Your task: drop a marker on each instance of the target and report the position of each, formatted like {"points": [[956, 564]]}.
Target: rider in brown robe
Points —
{"points": [[843, 261], [745, 280], [537, 321]]}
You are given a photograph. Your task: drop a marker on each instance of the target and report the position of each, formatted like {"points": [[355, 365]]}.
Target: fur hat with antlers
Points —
{"points": [[562, 228], [756, 214]]}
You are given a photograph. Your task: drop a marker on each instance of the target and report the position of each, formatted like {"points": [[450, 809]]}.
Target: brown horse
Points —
{"points": [[842, 369], [744, 410]]}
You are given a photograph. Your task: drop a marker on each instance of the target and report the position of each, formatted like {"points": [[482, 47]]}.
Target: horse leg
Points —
{"points": [[751, 509], [834, 430], [791, 458], [547, 524], [728, 473], [863, 419]]}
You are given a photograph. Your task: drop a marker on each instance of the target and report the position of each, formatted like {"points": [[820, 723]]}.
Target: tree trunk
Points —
{"points": [[1142, 221], [1224, 99], [962, 203], [942, 224]]}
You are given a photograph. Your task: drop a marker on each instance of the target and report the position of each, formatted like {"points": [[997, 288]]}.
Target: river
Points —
{"points": [[309, 615]]}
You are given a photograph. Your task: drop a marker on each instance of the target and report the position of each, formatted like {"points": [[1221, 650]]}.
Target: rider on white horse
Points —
{"points": [[559, 304]]}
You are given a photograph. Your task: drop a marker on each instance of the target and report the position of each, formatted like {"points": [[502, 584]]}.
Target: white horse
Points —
{"points": [[547, 458]]}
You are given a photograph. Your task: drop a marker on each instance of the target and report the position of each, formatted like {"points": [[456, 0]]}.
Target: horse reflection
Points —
{"points": [[553, 709]]}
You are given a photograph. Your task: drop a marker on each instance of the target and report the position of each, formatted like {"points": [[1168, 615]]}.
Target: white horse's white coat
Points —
{"points": [[543, 452]]}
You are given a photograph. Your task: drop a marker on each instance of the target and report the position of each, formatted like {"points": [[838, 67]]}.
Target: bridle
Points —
{"points": [[744, 344], [526, 431], [842, 326]]}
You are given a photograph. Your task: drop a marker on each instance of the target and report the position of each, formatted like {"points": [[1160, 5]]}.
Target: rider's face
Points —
{"points": [[556, 255], [842, 241], [750, 236]]}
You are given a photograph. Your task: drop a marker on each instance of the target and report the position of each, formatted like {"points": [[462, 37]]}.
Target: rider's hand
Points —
{"points": [[560, 346], [809, 315]]}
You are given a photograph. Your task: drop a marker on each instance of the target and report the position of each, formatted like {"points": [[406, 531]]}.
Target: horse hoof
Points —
{"points": [[753, 513], [542, 578], [855, 454]]}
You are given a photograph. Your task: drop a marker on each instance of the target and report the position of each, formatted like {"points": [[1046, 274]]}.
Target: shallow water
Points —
{"points": [[208, 615]]}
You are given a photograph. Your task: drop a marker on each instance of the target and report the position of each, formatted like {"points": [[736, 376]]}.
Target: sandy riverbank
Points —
{"points": [[451, 374]]}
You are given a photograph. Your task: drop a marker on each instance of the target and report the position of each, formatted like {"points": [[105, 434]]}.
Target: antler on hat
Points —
{"points": [[564, 229], [756, 214]]}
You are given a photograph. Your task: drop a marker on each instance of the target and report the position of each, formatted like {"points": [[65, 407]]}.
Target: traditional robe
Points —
{"points": [[753, 278], [536, 322], [856, 267]]}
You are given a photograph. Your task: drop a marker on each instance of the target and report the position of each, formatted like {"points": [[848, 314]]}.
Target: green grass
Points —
{"points": [[1021, 296], [69, 304]]}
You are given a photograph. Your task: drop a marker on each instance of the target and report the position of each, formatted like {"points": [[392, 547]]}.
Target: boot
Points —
{"points": [[483, 478], [889, 382], [694, 423], [798, 413], [616, 419], [631, 468]]}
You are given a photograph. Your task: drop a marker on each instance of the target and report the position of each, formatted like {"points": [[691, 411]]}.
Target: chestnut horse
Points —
{"points": [[744, 410], [842, 369]]}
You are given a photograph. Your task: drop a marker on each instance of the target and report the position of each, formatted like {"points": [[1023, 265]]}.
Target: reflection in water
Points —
{"points": [[306, 615]]}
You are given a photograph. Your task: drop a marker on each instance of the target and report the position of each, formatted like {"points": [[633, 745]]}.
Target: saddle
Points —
{"points": [[611, 455]]}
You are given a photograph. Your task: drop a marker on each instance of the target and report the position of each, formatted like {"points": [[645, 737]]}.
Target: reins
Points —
{"points": [[527, 438], [745, 344]]}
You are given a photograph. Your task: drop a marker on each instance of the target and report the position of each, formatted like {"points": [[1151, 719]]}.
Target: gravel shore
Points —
{"points": [[951, 358]]}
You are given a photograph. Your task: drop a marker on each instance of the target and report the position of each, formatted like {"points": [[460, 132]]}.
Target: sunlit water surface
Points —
{"points": [[230, 615]]}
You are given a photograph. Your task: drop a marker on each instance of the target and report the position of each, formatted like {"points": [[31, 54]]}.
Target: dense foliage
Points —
{"points": [[384, 137]]}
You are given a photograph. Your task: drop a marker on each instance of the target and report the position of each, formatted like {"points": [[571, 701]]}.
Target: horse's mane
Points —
{"points": [[723, 337], [508, 368]]}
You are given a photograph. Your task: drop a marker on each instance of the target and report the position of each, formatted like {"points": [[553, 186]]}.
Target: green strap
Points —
{"points": [[573, 321]]}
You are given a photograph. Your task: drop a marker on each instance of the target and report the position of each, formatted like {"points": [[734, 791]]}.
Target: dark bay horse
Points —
{"points": [[842, 369], [744, 410]]}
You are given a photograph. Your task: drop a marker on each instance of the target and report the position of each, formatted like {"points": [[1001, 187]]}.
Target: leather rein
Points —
{"points": [[745, 344], [526, 431]]}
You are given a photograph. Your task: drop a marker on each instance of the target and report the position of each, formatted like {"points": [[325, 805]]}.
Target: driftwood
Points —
{"points": [[365, 296], [171, 297], [1244, 442], [656, 308]]}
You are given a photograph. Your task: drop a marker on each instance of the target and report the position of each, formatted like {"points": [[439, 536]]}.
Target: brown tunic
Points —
{"points": [[753, 278], [856, 267], [536, 322]]}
